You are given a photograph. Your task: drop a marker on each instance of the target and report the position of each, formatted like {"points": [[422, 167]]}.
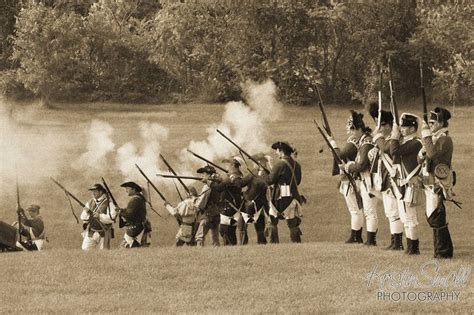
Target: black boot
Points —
{"points": [[398, 241], [409, 246], [358, 236], [443, 243], [414, 249], [371, 239], [392, 241], [352, 239]]}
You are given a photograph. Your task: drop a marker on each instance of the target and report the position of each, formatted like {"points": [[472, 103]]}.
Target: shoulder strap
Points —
{"points": [[292, 169]]}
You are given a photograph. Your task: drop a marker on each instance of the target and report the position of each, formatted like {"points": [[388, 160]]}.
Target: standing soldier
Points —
{"points": [[208, 204], [255, 200], [32, 227], [438, 178], [231, 194], [361, 167], [185, 214], [134, 217], [98, 215], [285, 200], [348, 153], [385, 167], [405, 151]]}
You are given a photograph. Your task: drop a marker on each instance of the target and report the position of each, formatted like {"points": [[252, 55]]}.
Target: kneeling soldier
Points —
{"points": [[32, 228], [134, 217], [185, 214], [98, 216]]}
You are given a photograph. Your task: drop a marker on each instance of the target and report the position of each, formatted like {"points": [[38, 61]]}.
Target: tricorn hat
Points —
{"points": [[132, 185], [206, 169], [33, 208], [261, 158], [356, 121], [97, 187], [284, 146], [408, 120], [440, 114], [237, 161], [386, 117]]}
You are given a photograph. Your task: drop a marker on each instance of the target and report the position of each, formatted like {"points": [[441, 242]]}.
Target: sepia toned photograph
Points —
{"points": [[236, 157]]}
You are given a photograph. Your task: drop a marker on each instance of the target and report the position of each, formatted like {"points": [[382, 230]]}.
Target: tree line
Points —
{"points": [[147, 51]]}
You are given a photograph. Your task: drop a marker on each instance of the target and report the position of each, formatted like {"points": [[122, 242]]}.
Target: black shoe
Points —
{"points": [[392, 241], [409, 246], [352, 239], [398, 241], [371, 239], [358, 236], [414, 249]]}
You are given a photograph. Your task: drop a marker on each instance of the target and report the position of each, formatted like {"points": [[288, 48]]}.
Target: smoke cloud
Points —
{"points": [[243, 122]]}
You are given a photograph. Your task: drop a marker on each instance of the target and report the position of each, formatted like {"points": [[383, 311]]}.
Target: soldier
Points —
{"points": [[285, 200], [98, 216], [385, 172], [32, 227], [349, 153], [438, 178], [361, 167], [405, 150], [185, 213], [134, 217], [208, 204], [231, 194], [255, 200]]}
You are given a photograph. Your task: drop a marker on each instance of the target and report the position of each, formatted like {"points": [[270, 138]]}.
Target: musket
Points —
{"points": [[18, 206], [379, 116], [393, 103], [180, 177], [207, 161], [340, 161], [245, 153], [423, 94], [151, 184], [174, 173], [323, 112], [68, 194], [109, 193]]}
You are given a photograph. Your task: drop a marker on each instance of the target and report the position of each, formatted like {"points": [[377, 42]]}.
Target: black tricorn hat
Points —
{"points": [[132, 185], [356, 120], [207, 169], [408, 120], [440, 114], [284, 146], [97, 187], [386, 117]]}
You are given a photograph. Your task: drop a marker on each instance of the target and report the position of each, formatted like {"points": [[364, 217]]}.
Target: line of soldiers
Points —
{"points": [[394, 164], [226, 204]]}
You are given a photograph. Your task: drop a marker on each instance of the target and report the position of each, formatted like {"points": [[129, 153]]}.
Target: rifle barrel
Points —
{"points": [[67, 192], [323, 112], [423, 94], [110, 193], [179, 176], [207, 161], [151, 184], [242, 150], [174, 173], [392, 92]]}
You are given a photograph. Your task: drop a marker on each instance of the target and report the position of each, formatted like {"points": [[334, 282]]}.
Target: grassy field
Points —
{"points": [[322, 275]]}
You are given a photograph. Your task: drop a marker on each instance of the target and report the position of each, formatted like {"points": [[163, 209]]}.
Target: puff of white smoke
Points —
{"points": [[146, 156], [243, 123], [98, 146]]}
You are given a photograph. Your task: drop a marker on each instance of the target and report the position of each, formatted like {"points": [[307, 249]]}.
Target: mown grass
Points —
{"points": [[322, 275], [306, 278]]}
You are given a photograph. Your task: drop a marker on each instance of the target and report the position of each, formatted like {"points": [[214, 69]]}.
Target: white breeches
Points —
{"points": [[370, 209], [390, 206], [409, 218], [96, 241], [432, 201], [357, 216]]}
